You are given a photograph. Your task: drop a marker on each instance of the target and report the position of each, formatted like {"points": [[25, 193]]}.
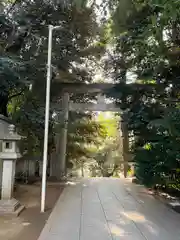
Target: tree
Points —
{"points": [[23, 46], [146, 43], [84, 137], [107, 155]]}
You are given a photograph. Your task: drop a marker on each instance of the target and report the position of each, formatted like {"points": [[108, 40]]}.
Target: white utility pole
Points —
{"points": [[46, 129]]}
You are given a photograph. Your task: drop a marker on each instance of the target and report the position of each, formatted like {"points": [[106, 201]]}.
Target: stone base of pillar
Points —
{"points": [[10, 207]]}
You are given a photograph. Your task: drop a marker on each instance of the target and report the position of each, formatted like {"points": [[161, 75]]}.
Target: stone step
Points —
{"points": [[11, 206]]}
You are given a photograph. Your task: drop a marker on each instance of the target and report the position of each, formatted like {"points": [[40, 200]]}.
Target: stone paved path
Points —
{"points": [[110, 209]]}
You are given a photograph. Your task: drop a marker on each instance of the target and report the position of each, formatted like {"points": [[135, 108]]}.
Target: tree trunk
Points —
{"points": [[3, 105]]}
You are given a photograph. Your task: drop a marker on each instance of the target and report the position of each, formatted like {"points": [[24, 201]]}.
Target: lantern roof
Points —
{"points": [[8, 130]]}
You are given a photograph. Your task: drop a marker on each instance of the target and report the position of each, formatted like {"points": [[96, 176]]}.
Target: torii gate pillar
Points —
{"points": [[63, 137]]}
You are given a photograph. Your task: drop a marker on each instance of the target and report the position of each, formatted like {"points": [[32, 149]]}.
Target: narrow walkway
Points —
{"points": [[110, 209]]}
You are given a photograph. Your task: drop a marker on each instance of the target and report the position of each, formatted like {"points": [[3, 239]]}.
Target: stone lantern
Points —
{"points": [[9, 153]]}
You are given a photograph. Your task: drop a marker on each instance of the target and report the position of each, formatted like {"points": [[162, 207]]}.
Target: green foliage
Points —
{"points": [[146, 43], [107, 155], [83, 134], [160, 156], [110, 124], [92, 142], [23, 58]]}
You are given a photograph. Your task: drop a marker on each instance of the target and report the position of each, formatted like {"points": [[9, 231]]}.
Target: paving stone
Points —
{"points": [[110, 209]]}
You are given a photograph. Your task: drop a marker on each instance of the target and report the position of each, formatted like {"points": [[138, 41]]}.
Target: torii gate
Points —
{"points": [[66, 105]]}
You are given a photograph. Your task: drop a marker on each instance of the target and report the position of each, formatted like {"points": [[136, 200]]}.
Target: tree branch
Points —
{"points": [[11, 8], [15, 95]]}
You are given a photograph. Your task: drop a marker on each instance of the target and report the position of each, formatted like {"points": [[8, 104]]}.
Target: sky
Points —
{"points": [[99, 1]]}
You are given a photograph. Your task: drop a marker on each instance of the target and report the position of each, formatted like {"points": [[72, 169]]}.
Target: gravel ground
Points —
{"points": [[30, 222]]}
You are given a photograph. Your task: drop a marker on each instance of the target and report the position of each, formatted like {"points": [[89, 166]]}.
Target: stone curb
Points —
{"points": [[174, 204]]}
